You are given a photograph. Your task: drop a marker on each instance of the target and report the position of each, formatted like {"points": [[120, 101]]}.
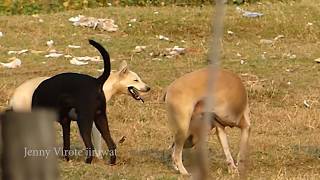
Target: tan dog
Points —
{"points": [[185, 104], [122, 81]]}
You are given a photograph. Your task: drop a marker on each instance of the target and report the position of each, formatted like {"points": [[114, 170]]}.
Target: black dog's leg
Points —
{"points": [[101, 122], [65, 123], [85, 122]]}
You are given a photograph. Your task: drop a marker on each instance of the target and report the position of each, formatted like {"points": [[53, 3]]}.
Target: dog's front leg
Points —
{"points": [[66, 137], [244, 140]]}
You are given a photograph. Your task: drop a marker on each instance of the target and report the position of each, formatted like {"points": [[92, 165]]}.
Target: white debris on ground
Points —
{"points": [[133, 20], [278, 37], [263, 55], [77, 62], [169, 53], [67, 56], [50, 43], [18, 52], [248, 14], [155, 54], [317, 60], [269, 41], [15, 62], [290, 56], [53, 55], [309, 24], [176, 50], [161, 37], [266, 41], [95, 23], [36, 52], [74, 46], [230, 32], [1, 34], [139, 49], [37, 16], [88, 58]]}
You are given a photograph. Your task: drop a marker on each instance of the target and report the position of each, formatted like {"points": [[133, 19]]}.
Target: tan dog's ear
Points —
{"points": [[123, 69]]}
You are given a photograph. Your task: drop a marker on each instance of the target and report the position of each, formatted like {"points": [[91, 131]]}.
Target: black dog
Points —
{"points": [[84, 94]]}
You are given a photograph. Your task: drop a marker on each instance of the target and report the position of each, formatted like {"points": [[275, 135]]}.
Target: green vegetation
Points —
{"points": [[50, 6]]}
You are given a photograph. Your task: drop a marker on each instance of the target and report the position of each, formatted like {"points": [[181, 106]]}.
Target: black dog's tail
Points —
{"points": [[106, 59]]}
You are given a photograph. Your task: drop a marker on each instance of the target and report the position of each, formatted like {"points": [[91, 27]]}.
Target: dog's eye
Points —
{"points": [[136, 80]]}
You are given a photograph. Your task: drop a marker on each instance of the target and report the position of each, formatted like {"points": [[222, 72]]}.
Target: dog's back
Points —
{"points": [[66, 90], [71, 90]]}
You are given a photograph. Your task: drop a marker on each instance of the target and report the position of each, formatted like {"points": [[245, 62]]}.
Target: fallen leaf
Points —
{"points": [[122, 139]]}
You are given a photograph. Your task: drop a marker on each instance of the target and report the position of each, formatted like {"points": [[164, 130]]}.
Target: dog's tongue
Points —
{"points": [[136, 95], [141, 99]]}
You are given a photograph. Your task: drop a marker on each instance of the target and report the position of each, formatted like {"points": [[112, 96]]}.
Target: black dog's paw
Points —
{"points": [[113, 157], [113, 160], [89, 160], [67, 158]]}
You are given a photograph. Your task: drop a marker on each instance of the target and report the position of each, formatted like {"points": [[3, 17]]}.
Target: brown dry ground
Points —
{"points": [[284, 142]]}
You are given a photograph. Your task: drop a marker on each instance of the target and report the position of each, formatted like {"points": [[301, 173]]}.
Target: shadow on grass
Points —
{"points": [[163, 156]]}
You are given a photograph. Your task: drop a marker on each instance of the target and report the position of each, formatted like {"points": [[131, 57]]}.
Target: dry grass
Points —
{"points": [[284, 142]]}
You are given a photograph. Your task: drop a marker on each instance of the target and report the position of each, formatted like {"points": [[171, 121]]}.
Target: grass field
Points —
{"points": [[284, 142]]}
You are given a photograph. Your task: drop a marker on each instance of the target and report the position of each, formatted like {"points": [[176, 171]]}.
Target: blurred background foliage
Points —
{"points": [[12, 7]]}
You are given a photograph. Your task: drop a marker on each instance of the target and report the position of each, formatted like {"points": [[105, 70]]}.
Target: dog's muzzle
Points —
{"points": [[135, 93]]}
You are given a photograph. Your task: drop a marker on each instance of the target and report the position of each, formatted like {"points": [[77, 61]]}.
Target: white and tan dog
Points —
{"points": [[185, 104], [122, 81]]}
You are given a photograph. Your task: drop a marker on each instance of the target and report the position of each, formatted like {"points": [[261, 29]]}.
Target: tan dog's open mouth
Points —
{"points": [[135, 93]]}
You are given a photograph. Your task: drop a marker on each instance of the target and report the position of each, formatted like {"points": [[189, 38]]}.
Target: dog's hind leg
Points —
{"points": [[179, 140], [101, 122], [180, 120], [96, 139], [244, 141], [65, 123], [222, 136], [85, 121]]}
